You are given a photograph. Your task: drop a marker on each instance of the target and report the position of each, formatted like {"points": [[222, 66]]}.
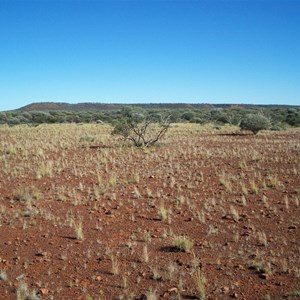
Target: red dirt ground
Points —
{"points": [[236, 197]]}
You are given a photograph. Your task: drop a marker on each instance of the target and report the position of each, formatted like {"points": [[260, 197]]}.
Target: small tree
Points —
{"points": [[255, 122], [140, 127]]}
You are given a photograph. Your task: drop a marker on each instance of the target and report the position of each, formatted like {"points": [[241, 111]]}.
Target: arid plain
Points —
{"points": [[206, 214]]}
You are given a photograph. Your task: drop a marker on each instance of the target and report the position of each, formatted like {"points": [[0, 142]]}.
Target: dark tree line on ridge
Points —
{"points": [[279, 118]]}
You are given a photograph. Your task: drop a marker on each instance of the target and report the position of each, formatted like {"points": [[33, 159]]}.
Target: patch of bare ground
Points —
{"points": [[204, 215]]}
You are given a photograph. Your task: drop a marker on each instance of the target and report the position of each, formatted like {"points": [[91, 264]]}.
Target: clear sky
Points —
{"points": [[149, 51]]}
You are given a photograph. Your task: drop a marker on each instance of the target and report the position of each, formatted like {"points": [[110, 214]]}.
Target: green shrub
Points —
{"points": [[277, 127], [255, 122]]}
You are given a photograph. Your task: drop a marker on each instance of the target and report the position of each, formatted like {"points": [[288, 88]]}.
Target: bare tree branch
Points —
{"points": [[142, 130]]}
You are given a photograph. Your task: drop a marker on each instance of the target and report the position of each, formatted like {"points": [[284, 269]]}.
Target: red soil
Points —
{"points": [[236, 197]]}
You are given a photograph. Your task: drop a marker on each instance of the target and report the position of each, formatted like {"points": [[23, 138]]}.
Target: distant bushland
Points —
{"points": [[219, 114]]}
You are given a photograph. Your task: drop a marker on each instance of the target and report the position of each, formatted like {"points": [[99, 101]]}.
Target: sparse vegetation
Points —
{"points": [[182, 243], [200, 282], [115, 221]]}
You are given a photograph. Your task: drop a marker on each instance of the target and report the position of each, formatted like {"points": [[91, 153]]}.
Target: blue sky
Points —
{"points": [[149, 51]]}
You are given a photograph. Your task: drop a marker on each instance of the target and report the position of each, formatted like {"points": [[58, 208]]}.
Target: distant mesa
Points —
{"points": [[87, 106], [55, 106]]}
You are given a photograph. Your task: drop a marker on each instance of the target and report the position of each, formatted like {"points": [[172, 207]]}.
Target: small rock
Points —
{"points": [[41, 254], [179, 262], [142, 274], [173, 290], [44, 291], [240, 267], [143, 297], [225, 290], [98, 278], [264, 276], [171, 293]]}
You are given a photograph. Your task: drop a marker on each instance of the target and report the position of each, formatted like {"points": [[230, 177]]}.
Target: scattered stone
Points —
{"points": [[225, 290], [41, 254], [142, 274], [264, 276], [247, 233], [240, 267], [171, 293], [98, 278], [44, 291], [179, 262], [173, 290]]}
